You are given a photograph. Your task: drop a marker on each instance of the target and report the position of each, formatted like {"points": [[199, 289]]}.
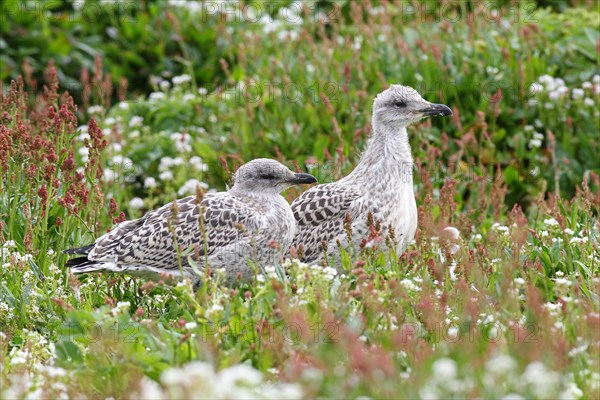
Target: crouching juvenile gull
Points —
{"points": [[249, 224], [380, 188]]}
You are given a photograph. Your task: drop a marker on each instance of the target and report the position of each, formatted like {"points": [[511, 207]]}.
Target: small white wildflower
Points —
{"points": [[136, 121], [529, 128], [519, 281], [577, 240], [181, 79], [551, 222], [136, 203], [554, 95], [123, 105], [191, 325], [538, 136], [569, 231], [589, 102], [191, 186], [535, 88], [535, 143], [188, 97], [444, 369], [109, 175], [182, 142], [157, 96], [95, 109], [596, 79], [577, 93], [409, 285], [202, 91], [198, 164], [149, 183], [166, 176], [504, 229]]}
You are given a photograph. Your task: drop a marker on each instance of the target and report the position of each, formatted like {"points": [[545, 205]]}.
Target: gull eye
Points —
{"points": [[267, 175], [400, 104]]}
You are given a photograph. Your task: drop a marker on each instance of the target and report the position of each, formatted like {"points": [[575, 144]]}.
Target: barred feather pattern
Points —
{"points": [[239, 230]]}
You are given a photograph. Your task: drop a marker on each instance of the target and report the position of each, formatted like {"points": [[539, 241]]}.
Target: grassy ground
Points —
{"points": [[505, 303]]}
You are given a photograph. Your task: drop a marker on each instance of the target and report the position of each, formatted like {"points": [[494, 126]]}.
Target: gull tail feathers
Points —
{"points": [[80, 250]]}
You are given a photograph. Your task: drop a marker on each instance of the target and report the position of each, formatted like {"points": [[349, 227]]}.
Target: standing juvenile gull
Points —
{"points": [[380, 186], [249, 224]]}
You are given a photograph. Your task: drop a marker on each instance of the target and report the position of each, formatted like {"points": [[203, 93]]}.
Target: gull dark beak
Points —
{"points": [[436, 110], [302, 178]]}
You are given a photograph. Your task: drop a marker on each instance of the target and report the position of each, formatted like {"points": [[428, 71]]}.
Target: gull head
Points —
{"points": [[265, 176], [402, 105]]}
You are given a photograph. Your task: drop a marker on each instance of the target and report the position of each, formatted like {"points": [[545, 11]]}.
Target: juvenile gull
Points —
{"points": [[249, 224], [380, 186]]}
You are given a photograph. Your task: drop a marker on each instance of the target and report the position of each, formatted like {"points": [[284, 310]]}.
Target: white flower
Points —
{"points": [[554, 95], [563, 282], [157, 96], [191, 325], [571, 392], [109, 175], [198, 164], [165, 164], [239, 375], [444, 369], [576, 240], [512, 396], [569, 231], [123, 105], [181, 79], [84, 152], [596, 79], [551, 222], [95, 109], [529, 128], [504, 229], [136, 121], [535, 88], [136, 203], [409, 285], [577, 93], [190, 187], [164, 85], [519, 281], [166, 176], [188, 97], [182, 142], [588, 102], [202, 91], [501, 364], [149, 183], [110, 121], [542, 381], [535, 143]]}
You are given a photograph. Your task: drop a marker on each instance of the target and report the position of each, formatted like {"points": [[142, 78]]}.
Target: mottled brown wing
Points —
{"points": [[320, 213], [152, 239]]}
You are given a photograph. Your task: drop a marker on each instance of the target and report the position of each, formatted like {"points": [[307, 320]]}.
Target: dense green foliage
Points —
{"points": [[168, 97]]}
